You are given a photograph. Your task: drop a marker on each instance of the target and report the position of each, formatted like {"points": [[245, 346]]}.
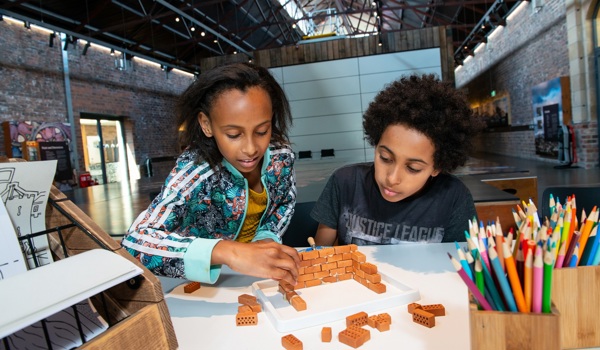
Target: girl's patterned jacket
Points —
{"points": [[199, 205]]}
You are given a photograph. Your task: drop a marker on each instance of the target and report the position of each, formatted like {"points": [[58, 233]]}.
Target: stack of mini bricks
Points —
{"points": [[329, 265], [247, 311], [425, 314]]}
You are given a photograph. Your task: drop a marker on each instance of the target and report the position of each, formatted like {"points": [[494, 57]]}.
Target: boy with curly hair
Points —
{"points": [[421, 129]]}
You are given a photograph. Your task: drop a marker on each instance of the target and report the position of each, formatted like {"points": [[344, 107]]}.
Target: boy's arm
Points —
{"points": [[325, 235]]}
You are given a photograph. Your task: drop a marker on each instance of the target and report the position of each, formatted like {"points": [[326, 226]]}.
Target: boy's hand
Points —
{"points": [[265, 259]]}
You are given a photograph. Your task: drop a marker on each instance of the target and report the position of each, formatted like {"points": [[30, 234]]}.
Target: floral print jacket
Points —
{"points": [[199, 205]]}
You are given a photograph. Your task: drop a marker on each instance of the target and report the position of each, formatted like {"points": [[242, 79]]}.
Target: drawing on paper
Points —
{"points": [[24, 189]]}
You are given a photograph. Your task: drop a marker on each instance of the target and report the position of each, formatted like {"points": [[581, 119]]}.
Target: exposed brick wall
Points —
{"points": [[531, 49], [32, 88]]}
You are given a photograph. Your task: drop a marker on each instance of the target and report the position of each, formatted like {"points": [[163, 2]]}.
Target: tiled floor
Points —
{"points": [[115, 206]]}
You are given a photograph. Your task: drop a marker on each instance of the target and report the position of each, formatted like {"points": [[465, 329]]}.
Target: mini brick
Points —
{"points": [[436, 309], [372, 321], [344, 263], [286, 286], [359, 319], [369, 268], [312, 283], [312, 269], [344, 276], [334, 258], [329, 266], [244, 308], [424, 318], [319, 261], [326, 334], [378, 288], [290, 342], [247, 299], [289, 295], [313, 254], [359, 279], [354, 336], [326, 252], [306, 277], [353, 247], [413, 306], [322, 274], [298, 303], [246, 319], [191, 287], [349, 269], [306, 263], [255, 307], [338, 271], [374, 278], [330, 279], [359, 257], [341, 249], [347, 256], [360, 273], [386, 317], [383, 326]]}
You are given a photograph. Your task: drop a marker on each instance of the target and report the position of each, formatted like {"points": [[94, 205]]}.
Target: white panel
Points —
{"points": [[376, 82], [326, 106], [337, 141], [327, 123], [406, 60], [366, 99], [322, 88], [277, 73], [320, 70]]}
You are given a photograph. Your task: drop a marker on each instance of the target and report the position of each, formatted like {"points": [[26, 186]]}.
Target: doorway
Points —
{"points": [[104, 148]]}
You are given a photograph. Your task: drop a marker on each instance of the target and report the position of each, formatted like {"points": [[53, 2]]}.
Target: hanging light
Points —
{"points": [[112, 52], [202, 33], [176, 19]]}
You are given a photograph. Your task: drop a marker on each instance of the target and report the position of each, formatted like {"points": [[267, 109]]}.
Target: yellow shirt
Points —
{"points": [[257, 203]]}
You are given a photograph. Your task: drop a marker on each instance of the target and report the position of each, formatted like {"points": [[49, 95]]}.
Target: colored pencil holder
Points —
{"points": [[575, 295], [491, 330]]}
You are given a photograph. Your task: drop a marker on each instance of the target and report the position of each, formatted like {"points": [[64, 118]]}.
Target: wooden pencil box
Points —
{"points": [[491, 330], [575, 293]]}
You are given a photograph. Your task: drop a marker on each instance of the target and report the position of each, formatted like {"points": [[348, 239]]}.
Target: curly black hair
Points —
{"points": [[433, 107], [203, 92]]}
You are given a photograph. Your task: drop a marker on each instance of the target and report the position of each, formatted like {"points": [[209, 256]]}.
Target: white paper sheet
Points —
{"points": [[24, 189], [11, 258]]}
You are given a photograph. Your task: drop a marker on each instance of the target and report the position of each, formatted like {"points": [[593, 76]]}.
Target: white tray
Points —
{"points": [[329, 302]]}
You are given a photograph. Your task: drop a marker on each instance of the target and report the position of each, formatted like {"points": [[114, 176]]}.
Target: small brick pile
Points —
{"points": [[425, 314], [247, 311]]}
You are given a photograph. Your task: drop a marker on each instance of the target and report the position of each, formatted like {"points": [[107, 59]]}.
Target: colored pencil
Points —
{"points": [[571, 248], [515, 282], [575, 256], [547, 292], [463, 261], [528, 286], [587, 230], [560, 257], [470, 285], [479, 281], [501, 278], [493, 294], [538, 280], [591, 247]]}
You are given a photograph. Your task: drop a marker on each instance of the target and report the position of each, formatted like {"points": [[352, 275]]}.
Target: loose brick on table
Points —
{"points": [[290, 342], [436, 309], [256, 307], [413, 306], [354, 336], [244, 308], [326, 334], [359, 319], [423, 318], [385, 316], [191, 287], [246, 319], [247, 299]]}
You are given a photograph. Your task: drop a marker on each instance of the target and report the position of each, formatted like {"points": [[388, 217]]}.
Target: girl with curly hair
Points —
{"points": [[421, 129]]}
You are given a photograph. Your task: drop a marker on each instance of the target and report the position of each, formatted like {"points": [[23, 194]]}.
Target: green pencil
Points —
{"points": [[547, 291]]}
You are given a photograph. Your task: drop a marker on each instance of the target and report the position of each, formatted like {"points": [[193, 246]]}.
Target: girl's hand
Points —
{"points": [[264, 259]]}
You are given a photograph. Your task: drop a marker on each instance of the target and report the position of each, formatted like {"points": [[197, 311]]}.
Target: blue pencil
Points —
{"points": [[501, 277], [490, 286], [463, 261]]}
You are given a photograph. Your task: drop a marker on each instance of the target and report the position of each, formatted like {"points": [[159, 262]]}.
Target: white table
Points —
{"points": [[206, 318]]}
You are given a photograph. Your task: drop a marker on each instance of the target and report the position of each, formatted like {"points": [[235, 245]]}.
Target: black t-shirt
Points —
{"points": [[352, 204]]}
